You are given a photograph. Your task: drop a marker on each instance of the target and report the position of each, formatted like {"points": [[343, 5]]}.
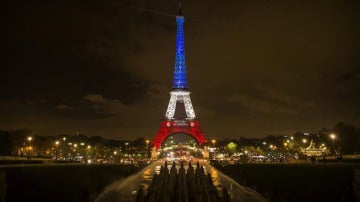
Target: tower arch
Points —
{"points": [[170, 127]]}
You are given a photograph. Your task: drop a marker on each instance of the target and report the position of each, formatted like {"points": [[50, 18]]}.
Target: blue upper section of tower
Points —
{"points": [[180, 79]]}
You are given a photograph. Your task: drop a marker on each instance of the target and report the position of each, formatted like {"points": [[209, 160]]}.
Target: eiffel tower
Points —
{"points": [[180, 115]]}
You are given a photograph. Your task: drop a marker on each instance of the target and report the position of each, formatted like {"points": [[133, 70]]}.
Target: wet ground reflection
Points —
{"points": [[125, 190]]}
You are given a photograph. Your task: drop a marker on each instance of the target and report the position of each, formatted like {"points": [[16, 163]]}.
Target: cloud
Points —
{"points": [[102, 104], [271, 103], [96, 98], [348, 76], [64, 107]]}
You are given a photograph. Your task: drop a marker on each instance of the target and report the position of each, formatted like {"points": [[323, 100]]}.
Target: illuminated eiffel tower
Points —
{"points": [[176, 122]]}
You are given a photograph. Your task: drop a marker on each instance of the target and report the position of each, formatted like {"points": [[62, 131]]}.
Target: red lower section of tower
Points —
{"points": [[168, 128]]}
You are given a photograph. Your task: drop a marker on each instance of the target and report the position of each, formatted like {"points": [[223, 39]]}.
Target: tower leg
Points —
{"points": [[170, 112], [190, 113]]}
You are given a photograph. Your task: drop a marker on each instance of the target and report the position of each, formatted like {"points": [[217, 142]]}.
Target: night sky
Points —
{"points": [[254, 67]]}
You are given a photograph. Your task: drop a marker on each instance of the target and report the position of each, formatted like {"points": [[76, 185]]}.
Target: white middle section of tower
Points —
{"points": [[180, 96]]}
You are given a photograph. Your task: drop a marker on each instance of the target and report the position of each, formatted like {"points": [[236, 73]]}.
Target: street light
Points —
{"points": [[147, 148], [29, 148], [88, 151], [333, 137], [305, 141], [213, 141], [57, 152]]}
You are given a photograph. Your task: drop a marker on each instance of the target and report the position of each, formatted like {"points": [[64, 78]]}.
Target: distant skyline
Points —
{"points": [[254, 67]]}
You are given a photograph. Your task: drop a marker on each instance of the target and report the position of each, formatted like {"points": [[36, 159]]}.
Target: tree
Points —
{"points": [[139, 143], [253, 150], [231, 148], [348, 138]]}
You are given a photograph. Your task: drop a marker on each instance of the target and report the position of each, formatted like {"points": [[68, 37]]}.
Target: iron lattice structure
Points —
{"points": [[180, 79], [180, 94]]}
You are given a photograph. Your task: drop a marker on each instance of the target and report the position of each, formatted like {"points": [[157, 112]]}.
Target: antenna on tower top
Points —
{"points": [[180, 11]]}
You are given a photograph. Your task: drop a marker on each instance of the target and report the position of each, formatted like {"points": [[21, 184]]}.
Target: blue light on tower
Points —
{"points": [[180, 80]]}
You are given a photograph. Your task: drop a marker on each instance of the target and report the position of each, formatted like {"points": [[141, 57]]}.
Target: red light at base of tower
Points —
{"points": [[167, 128]]}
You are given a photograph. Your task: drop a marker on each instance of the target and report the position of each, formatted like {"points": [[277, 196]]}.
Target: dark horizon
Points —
{"points": [[254, 68]]}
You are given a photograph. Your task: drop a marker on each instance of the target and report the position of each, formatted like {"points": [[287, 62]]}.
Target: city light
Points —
{"points": [[29, 138]]}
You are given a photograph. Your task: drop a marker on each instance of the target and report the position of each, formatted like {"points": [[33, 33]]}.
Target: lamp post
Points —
{"points": [[126, 154], [29, 139], [285, 145], [57, 149], [333, 137], [305, 141], [75, 150], [147, 148], [213, 141], [88, 152]]}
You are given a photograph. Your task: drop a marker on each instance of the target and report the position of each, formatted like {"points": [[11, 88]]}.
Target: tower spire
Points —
{"points": [[180, 11], [180, 79]]}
